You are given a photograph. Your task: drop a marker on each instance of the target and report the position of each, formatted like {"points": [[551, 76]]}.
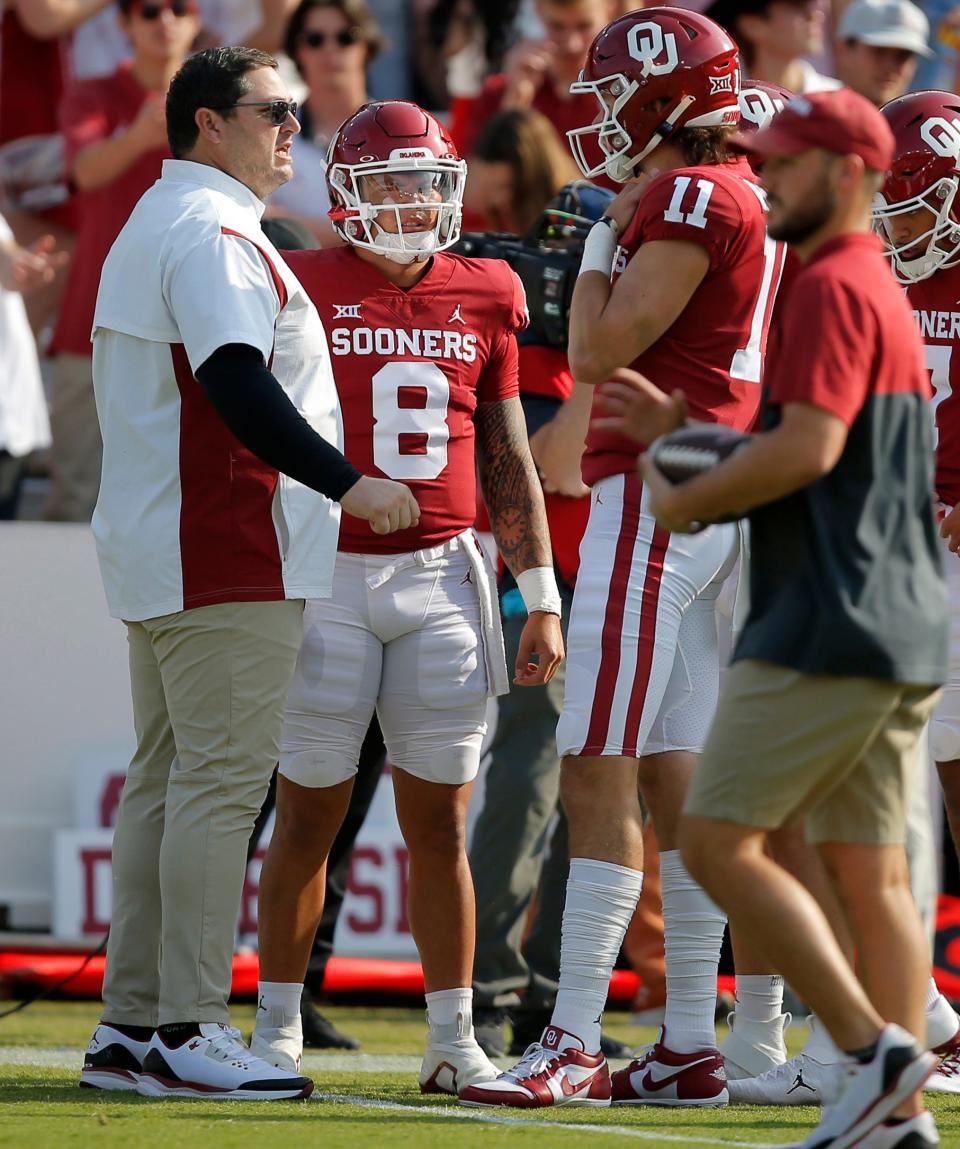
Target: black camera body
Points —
{"points": [[547, 259], [547, 275]]}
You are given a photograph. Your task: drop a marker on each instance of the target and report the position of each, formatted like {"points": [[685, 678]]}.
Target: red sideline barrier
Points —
{"points": [[42, 970]]}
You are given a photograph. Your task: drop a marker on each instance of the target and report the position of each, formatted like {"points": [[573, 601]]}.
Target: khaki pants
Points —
{"points": [[76, 456], [209, 688], [837, 750]]}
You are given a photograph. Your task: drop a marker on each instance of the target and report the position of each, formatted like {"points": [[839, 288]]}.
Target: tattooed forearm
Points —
{"points": [[511, 488]]}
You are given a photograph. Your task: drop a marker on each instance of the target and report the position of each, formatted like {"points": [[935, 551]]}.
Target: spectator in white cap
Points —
{"points": [[878, 45]]}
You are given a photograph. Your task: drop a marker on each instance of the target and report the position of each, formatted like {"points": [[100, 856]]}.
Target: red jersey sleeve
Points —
{"points": [[687, 205], [500, 378], [84, 118], [832, 371]]}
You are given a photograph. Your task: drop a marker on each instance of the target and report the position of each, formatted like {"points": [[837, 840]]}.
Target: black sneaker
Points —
{"points": [[488, 1026], [319, 1032], [610, 1047]]}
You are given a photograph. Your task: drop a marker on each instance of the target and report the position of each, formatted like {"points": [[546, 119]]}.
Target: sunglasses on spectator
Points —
{"points": [[345, 37], [276, 111], [153, 11]]}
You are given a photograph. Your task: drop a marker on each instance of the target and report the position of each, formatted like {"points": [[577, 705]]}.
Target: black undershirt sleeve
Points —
{"points": [[255, 407]]}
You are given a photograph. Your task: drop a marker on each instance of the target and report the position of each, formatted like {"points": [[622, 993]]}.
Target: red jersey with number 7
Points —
{"points": [[936, 308], [411, 365], [714, 351]]}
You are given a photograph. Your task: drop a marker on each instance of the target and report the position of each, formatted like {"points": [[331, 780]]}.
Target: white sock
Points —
{"points": [[942, 1020], [450, 1013], [693, 934], [601, 899], [759, 997], [282, 995]]}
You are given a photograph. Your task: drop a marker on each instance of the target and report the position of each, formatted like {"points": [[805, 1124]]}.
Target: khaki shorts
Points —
{"points": [[837, 751]]}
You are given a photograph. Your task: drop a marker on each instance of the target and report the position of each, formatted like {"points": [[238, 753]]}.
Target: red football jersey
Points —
{"points": [[714, 350], [411, 365], [936, 308]]}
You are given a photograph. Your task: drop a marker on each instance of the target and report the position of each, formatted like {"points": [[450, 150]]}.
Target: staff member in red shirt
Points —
{"points": [[837, 668]]}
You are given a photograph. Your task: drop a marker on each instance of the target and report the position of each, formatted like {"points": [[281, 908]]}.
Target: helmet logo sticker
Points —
{"points": [[647, 42], [942, 135]]}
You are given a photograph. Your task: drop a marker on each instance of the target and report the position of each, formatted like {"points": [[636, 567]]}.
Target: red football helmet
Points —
{"points": [[396, 181], [653, 71], [925, 174], [759, 103]]}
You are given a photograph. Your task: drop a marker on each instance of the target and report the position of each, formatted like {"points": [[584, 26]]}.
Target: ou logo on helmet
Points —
{"points": [[942, 135], [758, 107], [647, 42]]}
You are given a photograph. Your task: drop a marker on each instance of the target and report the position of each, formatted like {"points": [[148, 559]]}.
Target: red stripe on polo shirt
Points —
{"points": [[649, 604], [228, 542], [613, 619], [274, 274]]}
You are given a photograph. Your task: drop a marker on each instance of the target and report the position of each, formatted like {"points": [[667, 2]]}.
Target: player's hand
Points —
{"points": [[542, 637], [557, 463], [387, 506], [26, 269], [623, 207], [950, 529], [637, 408], [666, 500]]}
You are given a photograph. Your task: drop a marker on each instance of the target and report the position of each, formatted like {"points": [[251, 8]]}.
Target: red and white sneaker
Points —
{"points": [[946, 1077], [556, 1070], [662, 1077]]}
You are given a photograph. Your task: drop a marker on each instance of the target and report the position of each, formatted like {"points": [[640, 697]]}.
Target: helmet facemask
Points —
{"points": [[608, 138], [405, 208], [938, 245]]}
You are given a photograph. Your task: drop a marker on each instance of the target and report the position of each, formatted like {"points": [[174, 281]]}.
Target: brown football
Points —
{"points": [[695, 448]]}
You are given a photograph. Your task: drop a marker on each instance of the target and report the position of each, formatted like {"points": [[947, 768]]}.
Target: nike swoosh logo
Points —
{"points": [[569, 1090], [651, 1083]]}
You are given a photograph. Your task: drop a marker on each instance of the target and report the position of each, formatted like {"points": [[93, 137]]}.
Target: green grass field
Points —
{"points": [[366, 1099]]}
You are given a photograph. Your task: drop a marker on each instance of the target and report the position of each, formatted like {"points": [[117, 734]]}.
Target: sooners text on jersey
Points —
{"points": [[936, 308], [411, 365], [714, 351]]}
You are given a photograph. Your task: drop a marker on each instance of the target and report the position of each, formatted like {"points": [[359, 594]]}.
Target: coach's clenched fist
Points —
{"points": [[387, 506]]}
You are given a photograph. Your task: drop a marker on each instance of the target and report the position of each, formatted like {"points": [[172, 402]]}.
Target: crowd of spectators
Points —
{"points": [[75, 158]]}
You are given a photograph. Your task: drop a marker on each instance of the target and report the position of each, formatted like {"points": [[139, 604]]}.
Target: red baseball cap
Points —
{"points": [[840, 121]]}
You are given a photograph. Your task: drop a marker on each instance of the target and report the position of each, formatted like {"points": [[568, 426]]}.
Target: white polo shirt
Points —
{"points": [[187, 516]]}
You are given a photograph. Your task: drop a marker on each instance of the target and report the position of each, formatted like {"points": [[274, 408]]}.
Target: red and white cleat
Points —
{"points": [[946, 1077], [662, 1077], [556, 1070]]}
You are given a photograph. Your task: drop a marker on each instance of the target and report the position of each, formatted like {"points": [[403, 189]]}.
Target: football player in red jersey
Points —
{"points": [[678, 282], [425, 358], [918, 215]]}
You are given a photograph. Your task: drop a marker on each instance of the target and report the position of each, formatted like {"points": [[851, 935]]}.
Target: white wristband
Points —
{"points": [[599, 249], [538, 585]]}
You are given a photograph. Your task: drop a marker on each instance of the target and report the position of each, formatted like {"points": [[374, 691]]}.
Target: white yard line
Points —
{"points": [[489, 1117]]}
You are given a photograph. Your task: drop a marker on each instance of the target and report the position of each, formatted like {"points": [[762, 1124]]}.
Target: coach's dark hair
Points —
{"points": [[704, 145], [215, 78]]}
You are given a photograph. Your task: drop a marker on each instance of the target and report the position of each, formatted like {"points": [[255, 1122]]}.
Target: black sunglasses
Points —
{"points": [[179, 8], [345, 37], [276, 111]]}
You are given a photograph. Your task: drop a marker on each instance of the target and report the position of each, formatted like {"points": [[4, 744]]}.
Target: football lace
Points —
{"points": [[687, 456]]}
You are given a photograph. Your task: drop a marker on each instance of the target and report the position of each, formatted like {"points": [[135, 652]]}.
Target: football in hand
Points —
{"points": [[695, 448]]}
